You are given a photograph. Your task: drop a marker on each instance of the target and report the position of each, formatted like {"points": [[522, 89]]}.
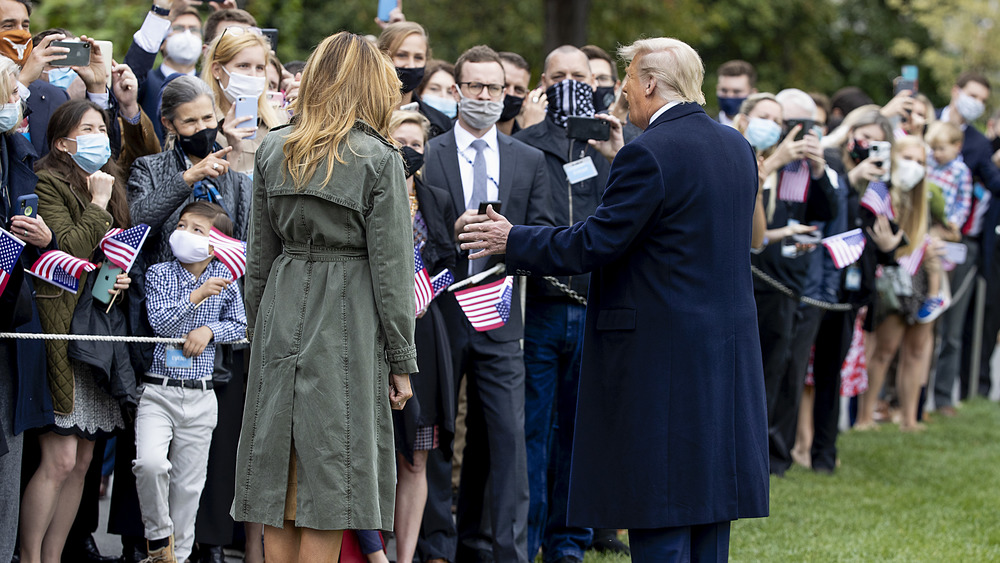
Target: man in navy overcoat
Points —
{"points": [[671, 432]]}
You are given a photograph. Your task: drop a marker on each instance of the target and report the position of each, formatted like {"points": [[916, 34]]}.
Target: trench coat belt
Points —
{"points": [[312, 253]]}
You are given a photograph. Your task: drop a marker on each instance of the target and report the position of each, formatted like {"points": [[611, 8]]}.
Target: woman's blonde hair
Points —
{"points": [[910, 207], [674, 65], [8, 83], [400, 118], [394, 34], [332, 98], [223, 49]]}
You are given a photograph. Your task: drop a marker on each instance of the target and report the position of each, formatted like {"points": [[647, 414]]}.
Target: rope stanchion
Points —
{"points": [[782, 288], [108, 338]]}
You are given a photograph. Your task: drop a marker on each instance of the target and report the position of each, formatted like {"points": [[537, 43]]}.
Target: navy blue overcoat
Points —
{"points": [[671, 424]]}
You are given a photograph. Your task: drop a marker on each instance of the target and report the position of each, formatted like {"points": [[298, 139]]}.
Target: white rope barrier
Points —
{"points": [[108, 338]]}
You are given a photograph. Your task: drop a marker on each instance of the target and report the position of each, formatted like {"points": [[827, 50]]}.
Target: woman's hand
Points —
{"points": [[899, 106], [237, 130], [94, 75], [881, 233], [789, 150], [31, 230], [399, 390], [122, 281], [212, 166], [126, 88], [99, 184], [866, 171]]}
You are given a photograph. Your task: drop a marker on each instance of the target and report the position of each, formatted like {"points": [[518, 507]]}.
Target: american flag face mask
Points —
{"points": [[570, 98]]}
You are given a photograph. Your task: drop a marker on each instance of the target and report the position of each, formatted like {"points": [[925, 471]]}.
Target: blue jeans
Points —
{"points": [[553, 344]]}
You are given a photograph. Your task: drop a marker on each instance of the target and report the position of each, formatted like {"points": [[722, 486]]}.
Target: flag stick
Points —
{"points": [[499, 268]]}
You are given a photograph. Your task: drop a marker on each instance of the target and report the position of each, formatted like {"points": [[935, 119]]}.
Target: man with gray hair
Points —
{"points": [[670, 437], [802, 195]]}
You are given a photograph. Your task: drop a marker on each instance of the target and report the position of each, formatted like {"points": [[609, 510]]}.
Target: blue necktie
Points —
{"points": [[478, 194]]}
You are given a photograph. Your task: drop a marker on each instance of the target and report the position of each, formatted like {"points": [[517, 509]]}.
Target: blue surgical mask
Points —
{"points": [[62, 77], [10, 116], [447, 106], [92, 151], [762, 134]]}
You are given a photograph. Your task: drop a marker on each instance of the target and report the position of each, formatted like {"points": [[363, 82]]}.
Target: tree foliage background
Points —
{"points": [[816, 45]]}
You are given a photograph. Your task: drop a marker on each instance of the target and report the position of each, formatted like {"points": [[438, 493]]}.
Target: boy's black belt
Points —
{"points": [[204, 384]]}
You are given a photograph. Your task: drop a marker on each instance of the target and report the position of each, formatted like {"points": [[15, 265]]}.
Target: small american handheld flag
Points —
{"points": [[121, 246], [230, 251], [10, 251], [487, 307], [911, 262], [845, 248], [425, 287], [794, 183], [878, 200], [61, 269]]}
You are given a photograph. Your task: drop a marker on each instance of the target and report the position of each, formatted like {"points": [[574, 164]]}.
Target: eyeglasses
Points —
{"points": [[237, 30], [196, 29], [476, 88]]}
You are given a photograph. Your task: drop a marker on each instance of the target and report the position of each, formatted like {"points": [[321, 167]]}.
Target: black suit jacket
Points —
{"points": [[977, 153], [42, 103], [523, 191]]}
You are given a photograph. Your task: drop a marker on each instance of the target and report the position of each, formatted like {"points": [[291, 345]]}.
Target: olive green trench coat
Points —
{"points": [[330, 311]]}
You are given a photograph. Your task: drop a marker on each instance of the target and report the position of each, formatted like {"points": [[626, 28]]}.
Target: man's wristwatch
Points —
{"points": [[160, 11]]}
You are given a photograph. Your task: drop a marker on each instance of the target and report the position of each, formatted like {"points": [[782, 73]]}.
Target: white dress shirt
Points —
{"points": [[467, 156], [663, 110]]}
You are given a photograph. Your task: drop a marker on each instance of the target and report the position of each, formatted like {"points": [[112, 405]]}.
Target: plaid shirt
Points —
{"points": [[173, 315], [955, 181]]}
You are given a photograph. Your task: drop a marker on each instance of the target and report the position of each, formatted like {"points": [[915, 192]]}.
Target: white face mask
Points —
{"points": [[906, 174], [189, 248], [184, 48], [241, 85], [479, 114], [968, 107]]}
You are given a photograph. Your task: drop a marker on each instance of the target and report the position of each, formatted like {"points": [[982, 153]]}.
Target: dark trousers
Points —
{"points": [[213, 525], [991, 320], [553, 347], [684, 544], [783, 418], [437, 530], [952, 326], [832, 344], [775, 319]]}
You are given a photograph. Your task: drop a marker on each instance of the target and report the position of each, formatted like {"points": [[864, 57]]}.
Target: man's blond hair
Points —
{"points": [[676, 67]]}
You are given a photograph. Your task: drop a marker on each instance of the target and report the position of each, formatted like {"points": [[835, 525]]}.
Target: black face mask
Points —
{"points": [[604, 96], [200, 144], [410, 77], [511, 107], [412, 160], [859, 150]]}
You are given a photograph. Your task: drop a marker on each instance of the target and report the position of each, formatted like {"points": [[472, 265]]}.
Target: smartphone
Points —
{"points": [[807, 126], [276, 99], [881, 153], [105, 281], [272, 36], [385, 7], [813, 237], [27, 205], [78, 55], [483, 204], [107, 52], [584, 128], [246, 106]]}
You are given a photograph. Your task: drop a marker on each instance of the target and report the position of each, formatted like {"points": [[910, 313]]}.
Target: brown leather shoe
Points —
{"points": [[161, 555]]}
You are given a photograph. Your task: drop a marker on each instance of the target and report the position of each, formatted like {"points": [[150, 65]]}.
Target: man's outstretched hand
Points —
{"points": [[489, 237]]}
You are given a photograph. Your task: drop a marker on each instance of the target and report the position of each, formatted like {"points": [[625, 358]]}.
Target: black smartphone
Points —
{"points": [[584, 128], [78, 55], [27, 205], [482, 206], [272, 36], [807, 126], [807, 238]]}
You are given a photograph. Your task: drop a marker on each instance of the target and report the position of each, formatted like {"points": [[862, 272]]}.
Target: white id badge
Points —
{"points": [[580, 170], [176, 359], [852, 280]]}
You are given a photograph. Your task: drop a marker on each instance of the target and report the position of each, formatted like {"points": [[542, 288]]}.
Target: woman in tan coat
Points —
{"points": [[330, 310]]}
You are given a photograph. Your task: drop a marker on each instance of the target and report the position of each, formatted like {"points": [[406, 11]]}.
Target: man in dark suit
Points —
{"points": [[476, 164], [671, 436], [553, 318], [968, 102]]}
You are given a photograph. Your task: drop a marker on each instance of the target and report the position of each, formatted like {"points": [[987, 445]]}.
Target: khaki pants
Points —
{"points": [[173, 432]]}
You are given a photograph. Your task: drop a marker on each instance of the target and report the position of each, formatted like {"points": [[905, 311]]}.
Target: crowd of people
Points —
{"points": [[870, 225]]}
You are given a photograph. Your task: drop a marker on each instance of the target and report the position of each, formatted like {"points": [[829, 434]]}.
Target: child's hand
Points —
{"points": [[213, 286], [196, 341]]}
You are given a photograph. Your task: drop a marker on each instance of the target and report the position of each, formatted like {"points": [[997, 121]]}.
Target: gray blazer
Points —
{"points": [[157, 192]]}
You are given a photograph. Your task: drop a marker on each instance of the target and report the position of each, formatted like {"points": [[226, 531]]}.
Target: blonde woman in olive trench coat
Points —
{"points": [[330, 310]]}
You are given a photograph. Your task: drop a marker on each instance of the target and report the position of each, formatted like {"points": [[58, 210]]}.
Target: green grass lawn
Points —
{"points": [[932, 496]]}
